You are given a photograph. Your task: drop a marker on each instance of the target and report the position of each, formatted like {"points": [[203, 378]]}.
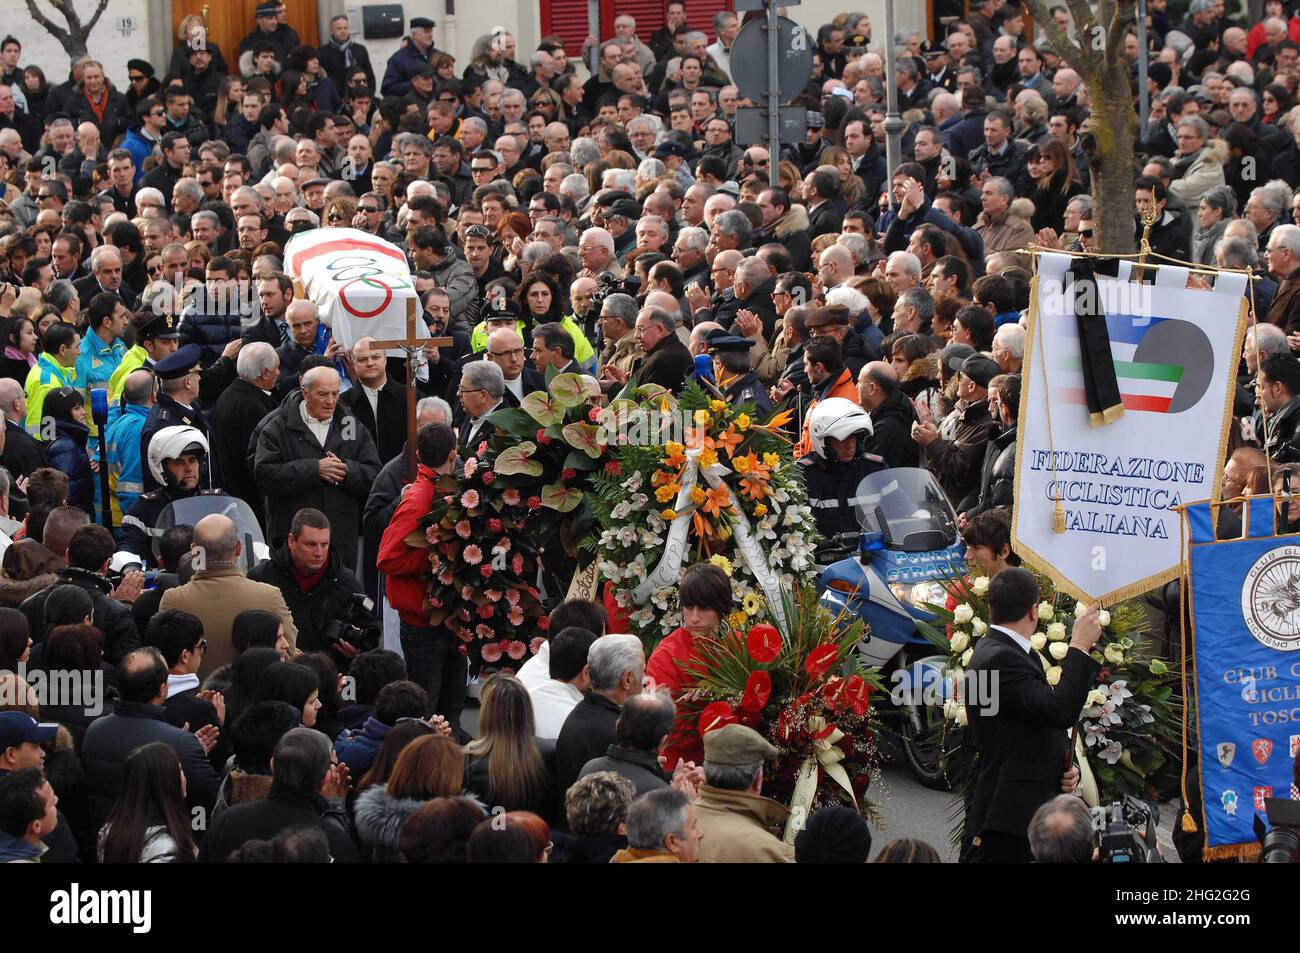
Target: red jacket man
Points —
{"points": [[433, 658]]}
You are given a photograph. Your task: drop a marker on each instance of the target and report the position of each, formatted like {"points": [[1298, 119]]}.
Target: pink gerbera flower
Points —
{"points": [[516, 616], [491, 653], [494, 595], [466, 593], [446, 577], [464, 530], [472, 554], [485, 611], [517, 650], [469, 499], [483, 631], [536, 645], [512, 596], [510, 497], [471, 465]]}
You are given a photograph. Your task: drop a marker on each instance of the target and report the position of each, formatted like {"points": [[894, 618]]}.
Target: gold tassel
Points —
{"points": [[1113, 413], [1189, 825], [1058, 517], [1096, 420]]}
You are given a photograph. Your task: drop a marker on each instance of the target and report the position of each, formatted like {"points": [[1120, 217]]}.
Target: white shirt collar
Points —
{"points": [[181, 683], [1020, 640], [516, 386]]}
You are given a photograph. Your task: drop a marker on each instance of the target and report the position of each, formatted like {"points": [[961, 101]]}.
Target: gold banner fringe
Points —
{"points": [[1246, 853]]}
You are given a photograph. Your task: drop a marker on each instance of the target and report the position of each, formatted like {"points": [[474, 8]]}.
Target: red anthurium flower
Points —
{"points": [[820, 660], [764, 643], [833, 692], [614, 468], [758, 689], [858, 694], [717, 715]]}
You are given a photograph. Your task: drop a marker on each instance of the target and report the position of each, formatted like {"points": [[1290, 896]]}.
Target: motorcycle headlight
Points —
{"points": [[920, 595], [902, 592]]}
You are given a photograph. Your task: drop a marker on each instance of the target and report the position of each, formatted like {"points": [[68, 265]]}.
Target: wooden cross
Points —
{"points": [[412, 345]]}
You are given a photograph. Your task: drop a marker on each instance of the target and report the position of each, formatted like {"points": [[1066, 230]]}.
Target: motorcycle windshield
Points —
{"points": [[907, 508], [189, 511]]}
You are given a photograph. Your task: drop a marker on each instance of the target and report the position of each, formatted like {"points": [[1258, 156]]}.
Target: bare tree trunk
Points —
{"points": [[73, 39], [1111, 134]]}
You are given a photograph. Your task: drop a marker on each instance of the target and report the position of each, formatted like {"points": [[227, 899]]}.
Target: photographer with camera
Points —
{"points": [[327, 601]]}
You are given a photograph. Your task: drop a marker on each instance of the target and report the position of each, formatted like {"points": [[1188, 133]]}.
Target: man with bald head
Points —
{"points": [[378, 400], [220, 590], [892, 416], [314, 452]]}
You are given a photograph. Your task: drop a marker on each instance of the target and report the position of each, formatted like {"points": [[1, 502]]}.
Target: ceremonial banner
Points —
{"points": [[1245, 602], [1175, 354], [360, 283]]}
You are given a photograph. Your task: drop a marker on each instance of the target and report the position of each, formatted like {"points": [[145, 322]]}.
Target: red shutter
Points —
{"points": [[568, 18]]}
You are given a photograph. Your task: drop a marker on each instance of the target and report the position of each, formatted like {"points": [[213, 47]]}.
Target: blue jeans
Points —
{"points": [[434, 662]]}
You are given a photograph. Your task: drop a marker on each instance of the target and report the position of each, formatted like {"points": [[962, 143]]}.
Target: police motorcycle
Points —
{"points": [[161, 510], [886, 574]]}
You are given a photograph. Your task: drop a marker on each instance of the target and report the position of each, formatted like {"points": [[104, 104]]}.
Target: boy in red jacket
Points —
{"points": [[433, 658]]}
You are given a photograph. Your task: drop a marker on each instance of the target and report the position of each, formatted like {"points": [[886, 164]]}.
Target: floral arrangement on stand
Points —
{"points": [[498, 517], [806, 693], [746, 472], [1128, 729]]}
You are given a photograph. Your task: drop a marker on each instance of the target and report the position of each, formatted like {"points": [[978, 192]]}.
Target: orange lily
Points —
{"points": [[696, 437], [754, 487], [718, 499], [729, 440]]}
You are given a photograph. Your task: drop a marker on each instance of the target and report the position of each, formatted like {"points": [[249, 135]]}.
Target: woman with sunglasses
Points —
{"points": [[547, 102], [140, 83], [1055, 182]]}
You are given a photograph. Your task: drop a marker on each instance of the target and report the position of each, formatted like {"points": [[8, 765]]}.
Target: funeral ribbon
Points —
{"points": [[1100, 386], [826, 756], [670, 564]]}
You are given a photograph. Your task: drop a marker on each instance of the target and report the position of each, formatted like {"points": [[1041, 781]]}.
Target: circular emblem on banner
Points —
{"points": [[1270, 599]]}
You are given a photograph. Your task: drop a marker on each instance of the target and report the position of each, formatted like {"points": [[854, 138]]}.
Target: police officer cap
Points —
{"points": [[268, 9], [720, 340], [149, 326], [503, 309], [421, 23], [736, 744], [184, 361], [832, 315], [933, 48]]}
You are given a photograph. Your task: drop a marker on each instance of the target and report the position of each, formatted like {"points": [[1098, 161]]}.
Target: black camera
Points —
{"points": [[1126, 832], [607, 284], [1281, 843], [356, 631]]}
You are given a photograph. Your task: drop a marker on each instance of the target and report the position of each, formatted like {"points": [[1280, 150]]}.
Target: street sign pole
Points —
{"points": [[893, 124], [773, 95], [1144, 102], [593, 28]]}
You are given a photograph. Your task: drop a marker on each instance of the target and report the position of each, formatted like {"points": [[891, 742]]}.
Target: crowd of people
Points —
{"points": [[553, 218]]}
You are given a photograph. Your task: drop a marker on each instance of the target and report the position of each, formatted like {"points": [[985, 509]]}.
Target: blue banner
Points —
{"points": [[1245, 613]]}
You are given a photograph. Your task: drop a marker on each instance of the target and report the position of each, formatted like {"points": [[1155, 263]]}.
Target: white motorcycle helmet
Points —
{"points": [[170, 443], [836, 417]]}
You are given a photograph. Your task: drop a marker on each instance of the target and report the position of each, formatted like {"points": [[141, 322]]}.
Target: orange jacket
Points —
{"points": [[845, 386]]}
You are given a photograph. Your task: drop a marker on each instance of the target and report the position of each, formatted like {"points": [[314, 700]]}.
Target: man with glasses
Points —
{"points": [[370, 214], [1282, 255], [506, 350], [480, 392]]}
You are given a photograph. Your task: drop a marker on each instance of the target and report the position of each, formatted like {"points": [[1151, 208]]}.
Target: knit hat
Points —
{"points": [[833, 835], [140, 66]]}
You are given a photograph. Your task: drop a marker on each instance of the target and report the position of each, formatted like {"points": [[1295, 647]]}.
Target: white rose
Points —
{"points": [[1045, 611], [961, 716], [980, 585], [963, 614], [1059, 650], [950, 708], [965, 657], [1079, 610], [1037, 641], [1104, 618], [1056, 631], [1096, 697], [1053, 675], [979, 626], [1114, 654], [958, 642]]}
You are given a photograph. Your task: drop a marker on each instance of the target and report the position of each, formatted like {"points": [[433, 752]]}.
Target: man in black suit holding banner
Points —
{"points": [[1019, 722]]}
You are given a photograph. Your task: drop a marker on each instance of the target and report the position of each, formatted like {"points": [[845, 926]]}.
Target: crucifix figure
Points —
{"points": [[412, 346]]}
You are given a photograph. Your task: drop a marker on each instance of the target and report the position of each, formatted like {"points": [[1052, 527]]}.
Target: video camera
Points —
{"points": [[356, 631], [1126, 832], [607, 284], [1281, 842]]}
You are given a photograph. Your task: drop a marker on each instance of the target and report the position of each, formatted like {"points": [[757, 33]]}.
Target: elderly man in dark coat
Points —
{"points": [[239, 409]]}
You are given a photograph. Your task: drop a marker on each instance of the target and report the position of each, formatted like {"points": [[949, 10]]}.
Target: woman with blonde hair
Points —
{"points": [[197, 255], [506, 765]]}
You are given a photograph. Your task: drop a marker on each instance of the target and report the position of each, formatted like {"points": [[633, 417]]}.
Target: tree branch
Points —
{"points": [[69, 13], [1125, 12], [1063, 46], [1085, 24], [103, 4], [59, 33]]}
